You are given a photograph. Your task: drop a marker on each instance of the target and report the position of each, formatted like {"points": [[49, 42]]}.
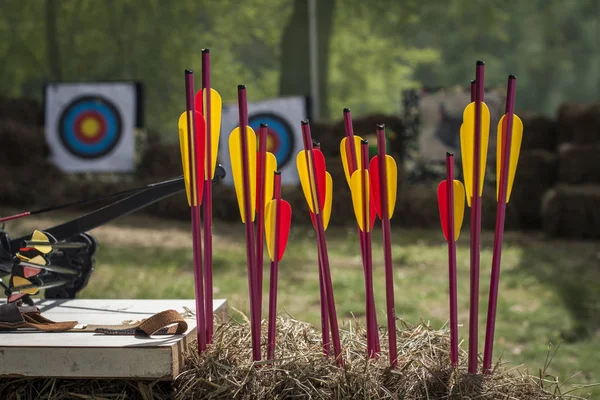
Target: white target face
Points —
{"points": [[90, 126]]}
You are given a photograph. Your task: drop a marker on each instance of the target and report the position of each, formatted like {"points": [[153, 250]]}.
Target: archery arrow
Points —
{"points": [[510, 133], [278, 218], [192, 139], [350, 150], [451, 203], [209, 103], [265, 170], [364, 211], [242, 152], [307, 165], [322, 293], [384, 177], [474, 141]]}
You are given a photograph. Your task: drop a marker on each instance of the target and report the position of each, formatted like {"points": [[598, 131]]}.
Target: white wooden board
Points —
{"points": [[93, 355]]}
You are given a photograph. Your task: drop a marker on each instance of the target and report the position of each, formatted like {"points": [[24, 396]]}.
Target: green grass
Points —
{"points": [[549, 289]]}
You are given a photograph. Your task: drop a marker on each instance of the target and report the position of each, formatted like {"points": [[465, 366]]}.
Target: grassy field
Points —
{"points": [[549, 289]]}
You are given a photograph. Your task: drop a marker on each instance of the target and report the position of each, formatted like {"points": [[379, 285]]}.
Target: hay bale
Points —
{"points": [[572, 211], [579, 122], [537, 172], [160, 160], [22, 144], [225, 371], [23, 110], [579, 163], [540, 132]]}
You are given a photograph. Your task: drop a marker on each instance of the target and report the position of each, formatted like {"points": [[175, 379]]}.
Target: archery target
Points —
{"points": [[280, 136], [90, 126], [284, 132]]}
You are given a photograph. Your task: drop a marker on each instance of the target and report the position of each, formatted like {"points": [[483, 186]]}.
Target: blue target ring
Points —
{"points": [[280, 136], [90, 127]]}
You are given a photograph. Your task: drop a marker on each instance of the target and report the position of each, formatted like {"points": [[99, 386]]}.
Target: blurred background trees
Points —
{"points": [[368, 51]]}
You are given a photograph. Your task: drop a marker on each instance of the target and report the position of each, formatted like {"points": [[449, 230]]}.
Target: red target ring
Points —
{"points": [[89, 127]]}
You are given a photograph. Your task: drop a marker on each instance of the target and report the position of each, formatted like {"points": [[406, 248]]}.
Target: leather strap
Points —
{"points": [[13, 317]]}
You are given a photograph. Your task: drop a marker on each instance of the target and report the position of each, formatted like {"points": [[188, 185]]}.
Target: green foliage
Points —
{"points": [[377, 48]]}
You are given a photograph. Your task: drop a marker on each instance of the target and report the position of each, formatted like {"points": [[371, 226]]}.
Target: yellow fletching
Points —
{"points": [[466, 148], [468, 130], [216, 106], [357, 140], [392, 183], [303, 173], [185, 149], [235, 155], [270, 227], [515, 149], [38, 260], [38, 236], [459, 207], [20, 282], [357, 198], [328, 199], [270, 168]]}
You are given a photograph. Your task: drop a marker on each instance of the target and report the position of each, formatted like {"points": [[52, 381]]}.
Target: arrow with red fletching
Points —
{"points": [[278, 218], [192, 141], [451, 203], [384, 177]]}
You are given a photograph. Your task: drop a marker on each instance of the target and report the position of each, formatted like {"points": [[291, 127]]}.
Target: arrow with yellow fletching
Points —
{"points": [[216, 108], [391, 182], [458, 207], [510, 134], [515, 149], [467, 132], [304, 172], [235, 155], [364, 208], [346, 154], [192, 142]]}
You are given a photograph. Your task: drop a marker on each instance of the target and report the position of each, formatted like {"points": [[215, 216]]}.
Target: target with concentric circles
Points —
{"points": [[90, 127]]}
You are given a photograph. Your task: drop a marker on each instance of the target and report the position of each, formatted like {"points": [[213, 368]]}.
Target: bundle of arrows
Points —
{"points": [[474, 134], [60, 259]]}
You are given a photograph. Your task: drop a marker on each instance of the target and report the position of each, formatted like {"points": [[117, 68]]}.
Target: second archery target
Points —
{"points": [[284, 134], [90, 126], [280, 136]]}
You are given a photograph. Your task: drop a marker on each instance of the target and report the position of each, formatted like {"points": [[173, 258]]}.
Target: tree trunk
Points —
{"points": [[295, 63], [52, 45]]}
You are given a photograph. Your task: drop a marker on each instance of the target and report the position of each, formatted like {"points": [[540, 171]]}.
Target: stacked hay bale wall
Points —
{"points": [[572, 208]]}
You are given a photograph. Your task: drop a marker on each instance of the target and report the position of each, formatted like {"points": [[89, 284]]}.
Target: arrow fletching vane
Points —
{"points": [[346, 153], [515, 149], [270, 168], [467, 138], [216, 107], [235, 155], [192, 187], [328, 200], [285, 221], [304, 171], [38, 236], [392, 183], [459, 207], [356, 190]]}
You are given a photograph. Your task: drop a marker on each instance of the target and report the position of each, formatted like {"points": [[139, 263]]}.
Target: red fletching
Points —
{"points": [[320, 169], [442, 195], [285, 221], [28, 272], [199, 150], [198, 102], [375, 188]]}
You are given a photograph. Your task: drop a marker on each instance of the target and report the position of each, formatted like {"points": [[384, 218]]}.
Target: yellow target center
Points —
{"points": [[270, 143], [90, 127]]}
